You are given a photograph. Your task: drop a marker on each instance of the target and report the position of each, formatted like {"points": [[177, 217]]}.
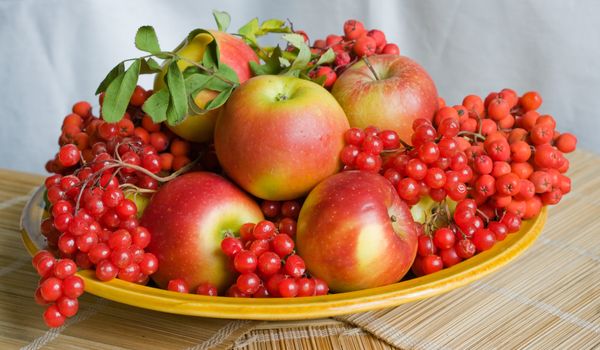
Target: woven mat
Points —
{"points": [[549, 298]]}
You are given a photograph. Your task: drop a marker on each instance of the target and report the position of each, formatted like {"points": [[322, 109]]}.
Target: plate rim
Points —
{"points": [[329, 305]]}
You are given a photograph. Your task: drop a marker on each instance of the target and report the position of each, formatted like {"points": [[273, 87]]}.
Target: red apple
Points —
{"points": [[401, 93], [355, 232], [279, 136], [188, 217], [235, 53]]}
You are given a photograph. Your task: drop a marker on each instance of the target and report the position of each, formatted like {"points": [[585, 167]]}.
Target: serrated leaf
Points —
{"points": [[177, 109], [223, 20], [156, 105], [219, 100], [327, 57], [228, 73], [197, 82], [119, 93], [116, 71], [249, 30], [272, 64], [150, 66], [146, 39], [303, 57]]}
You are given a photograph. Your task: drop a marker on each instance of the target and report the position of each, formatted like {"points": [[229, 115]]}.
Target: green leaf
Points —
{"points": [[327, 57], [197, 82], [150, 66], [219, 100], [146, 40], [273, 26], [301, 61], [223, 20], [116, 71], [177, 109], [119, 93], [249, 31], [272, 64], [156, 105], [228, 73]]}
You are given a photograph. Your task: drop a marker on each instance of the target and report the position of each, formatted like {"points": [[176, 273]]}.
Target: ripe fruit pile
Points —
{"points": [[470, 172], [498, 159], [356, 43]]}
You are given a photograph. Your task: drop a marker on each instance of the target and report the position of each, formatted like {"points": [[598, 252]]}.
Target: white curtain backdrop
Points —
{"points": [[55, 52]]}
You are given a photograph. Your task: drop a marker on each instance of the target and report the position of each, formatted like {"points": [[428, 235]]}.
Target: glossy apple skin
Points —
{"points": [[278, 136], [188, 217], [404, 93], [355, 232], [235, 53]]}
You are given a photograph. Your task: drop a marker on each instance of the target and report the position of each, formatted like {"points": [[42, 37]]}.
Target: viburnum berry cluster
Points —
{"points": [[58, 288], [101, 170], [267, 264], [357, 42], [498, 161]]}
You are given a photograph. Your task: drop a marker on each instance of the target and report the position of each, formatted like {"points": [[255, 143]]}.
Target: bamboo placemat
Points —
{"points": [[549, 298]]}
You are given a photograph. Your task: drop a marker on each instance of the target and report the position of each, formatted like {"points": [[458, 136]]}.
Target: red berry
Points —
{"points": [[321, 287], [245, 261], [231, 246], [391, 49], [290, 209], [465, 248], [64, 268], [69, 155], [264, 230], [68, 307], [431, 264], [288, 288], [106, 270], [283, 245], [51, 289], [443, 238], [269, 263], [354, 29], [295, 266], [365, 46], [73, 286], [52, 317], [306, 287], [248, 283], [207, 289], [178, 285], [149, 264]]}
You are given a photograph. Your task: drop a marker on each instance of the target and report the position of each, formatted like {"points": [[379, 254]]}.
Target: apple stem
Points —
{"points": [[371, 68], [393, 218]]}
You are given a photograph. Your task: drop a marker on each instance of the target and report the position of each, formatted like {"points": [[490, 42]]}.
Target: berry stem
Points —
{"points": [[473, 134]]}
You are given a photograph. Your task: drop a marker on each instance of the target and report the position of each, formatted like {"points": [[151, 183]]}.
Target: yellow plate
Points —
{"points": [[294, 308]]}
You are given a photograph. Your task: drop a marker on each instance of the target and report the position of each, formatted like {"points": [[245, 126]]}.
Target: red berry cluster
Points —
{"points": [[267, 265], [357, 42], [91, 219], [58, 287], [498, 158], [85, 136], [364, 148]]}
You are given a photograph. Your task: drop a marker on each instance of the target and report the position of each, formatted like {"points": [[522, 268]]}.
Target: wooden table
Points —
{"points": [[549, 298]]}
